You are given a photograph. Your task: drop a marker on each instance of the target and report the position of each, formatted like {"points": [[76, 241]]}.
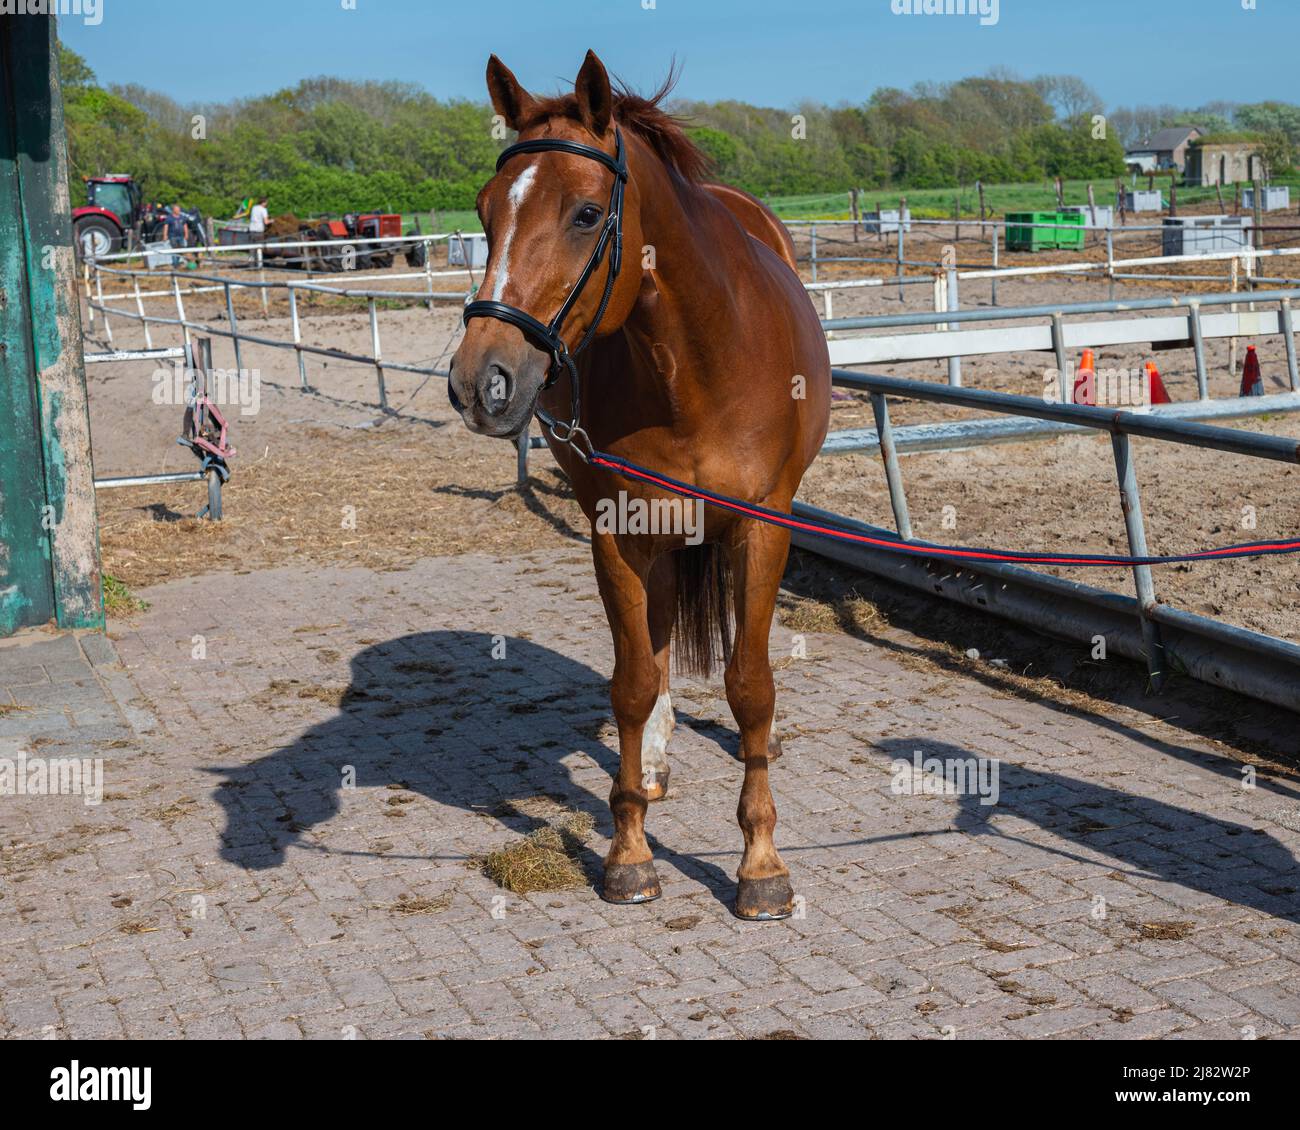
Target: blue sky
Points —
{"points": [[774, 53]]}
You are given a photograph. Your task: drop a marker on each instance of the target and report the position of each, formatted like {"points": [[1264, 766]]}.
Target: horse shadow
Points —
{"points": [[477, 722], [469, 720], [1146, 838]]}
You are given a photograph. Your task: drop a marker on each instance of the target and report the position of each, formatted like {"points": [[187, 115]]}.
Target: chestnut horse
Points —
{"points": [[706, 362]]}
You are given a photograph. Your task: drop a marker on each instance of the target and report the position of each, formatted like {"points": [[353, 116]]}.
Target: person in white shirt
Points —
{"points": [[257, 219]]}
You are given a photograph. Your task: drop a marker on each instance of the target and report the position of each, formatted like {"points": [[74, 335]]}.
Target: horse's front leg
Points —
{"points": [[629, 871], [757, 563]]}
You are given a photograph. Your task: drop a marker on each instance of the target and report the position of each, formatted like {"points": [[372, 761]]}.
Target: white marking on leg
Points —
{"points": [[515, 197], [654, 738]]}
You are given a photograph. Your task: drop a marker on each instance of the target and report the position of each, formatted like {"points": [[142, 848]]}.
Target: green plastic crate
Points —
{"points": [[1070, 238], [1022, 236]]}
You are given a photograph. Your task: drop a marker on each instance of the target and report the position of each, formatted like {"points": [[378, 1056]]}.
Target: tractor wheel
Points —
{"points": [[97, 236], [417, 255]]}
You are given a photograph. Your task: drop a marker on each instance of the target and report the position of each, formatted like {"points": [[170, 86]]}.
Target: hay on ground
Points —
{"points": [[544, 860]]}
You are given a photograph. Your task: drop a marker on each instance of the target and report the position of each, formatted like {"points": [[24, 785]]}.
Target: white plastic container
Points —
{"points": [[467, 251]]}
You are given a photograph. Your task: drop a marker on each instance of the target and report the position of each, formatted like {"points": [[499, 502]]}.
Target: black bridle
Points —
{"points": [[549, 334]]}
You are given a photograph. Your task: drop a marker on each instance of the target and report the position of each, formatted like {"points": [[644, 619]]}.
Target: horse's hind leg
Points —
{"points": [[662, 594], [757, 563], [634, 689]]}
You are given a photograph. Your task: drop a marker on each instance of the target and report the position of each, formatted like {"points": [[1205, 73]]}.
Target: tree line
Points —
{"points": [[328, 145]]}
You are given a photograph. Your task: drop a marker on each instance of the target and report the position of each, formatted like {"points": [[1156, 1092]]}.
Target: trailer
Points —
{"points": [[356, 241]]}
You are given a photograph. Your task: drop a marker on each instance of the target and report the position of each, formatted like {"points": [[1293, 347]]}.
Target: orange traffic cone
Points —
{"points": [[1252, 383], [1085, 380], [1157, 386]]}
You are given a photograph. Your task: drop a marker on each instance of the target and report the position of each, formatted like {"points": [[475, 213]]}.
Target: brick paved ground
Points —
{"points": [[1125, 885]]}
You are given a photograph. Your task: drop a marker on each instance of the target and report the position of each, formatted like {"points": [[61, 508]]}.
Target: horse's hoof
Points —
{"points": [[630, 883], [656, 784], [764, 900]]}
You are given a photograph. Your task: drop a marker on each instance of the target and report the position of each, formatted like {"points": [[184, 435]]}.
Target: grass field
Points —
{"points": [[937, 203], [447, 221], [930, 203]]}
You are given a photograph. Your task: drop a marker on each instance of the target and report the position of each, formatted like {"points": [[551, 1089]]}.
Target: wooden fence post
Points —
{"points": [[1257, 198]]}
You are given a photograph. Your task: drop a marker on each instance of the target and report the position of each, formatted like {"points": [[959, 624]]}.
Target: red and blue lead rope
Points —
{"points": [[924, 548]]}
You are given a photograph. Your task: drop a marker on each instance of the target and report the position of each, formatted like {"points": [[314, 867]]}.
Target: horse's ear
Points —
{"points": [[595, 101], [509, 99]]}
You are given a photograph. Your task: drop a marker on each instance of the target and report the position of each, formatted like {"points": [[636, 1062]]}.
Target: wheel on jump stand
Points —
{"points": [[214, 495]]}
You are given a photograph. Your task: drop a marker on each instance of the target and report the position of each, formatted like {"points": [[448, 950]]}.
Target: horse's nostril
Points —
{"points": [[497, 390]]}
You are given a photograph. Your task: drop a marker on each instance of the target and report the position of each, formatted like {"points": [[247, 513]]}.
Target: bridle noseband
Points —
{"points": [[549, 334]]}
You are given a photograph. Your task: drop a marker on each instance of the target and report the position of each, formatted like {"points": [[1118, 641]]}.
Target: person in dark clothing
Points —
{"points": [[178, 229]]}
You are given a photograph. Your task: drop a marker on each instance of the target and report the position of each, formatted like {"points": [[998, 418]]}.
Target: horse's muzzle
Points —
{"points": [[496, 396]]}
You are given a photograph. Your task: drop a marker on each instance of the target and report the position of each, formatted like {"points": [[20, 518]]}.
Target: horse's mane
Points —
{"points": [[643, 116]]}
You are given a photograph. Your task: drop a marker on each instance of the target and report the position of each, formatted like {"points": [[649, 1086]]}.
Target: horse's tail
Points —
{"points": [[702, 626]]}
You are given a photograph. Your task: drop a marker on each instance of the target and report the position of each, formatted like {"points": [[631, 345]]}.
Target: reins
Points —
{"points": [[630, 470]]}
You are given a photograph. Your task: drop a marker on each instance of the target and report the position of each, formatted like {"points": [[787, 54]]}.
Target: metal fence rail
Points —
{"points": [[227, 286], [1045, 329], [1166, 638]]}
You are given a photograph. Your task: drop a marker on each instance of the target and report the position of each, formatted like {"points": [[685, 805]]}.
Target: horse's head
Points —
{"points": [[545, 214]]}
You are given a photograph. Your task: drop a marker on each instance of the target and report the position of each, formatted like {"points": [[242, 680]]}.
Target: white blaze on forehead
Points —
{"points": [[515, 197], [523, 182]]}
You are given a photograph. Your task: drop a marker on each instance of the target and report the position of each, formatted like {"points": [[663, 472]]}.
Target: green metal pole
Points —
{"points": [[49, 543]]}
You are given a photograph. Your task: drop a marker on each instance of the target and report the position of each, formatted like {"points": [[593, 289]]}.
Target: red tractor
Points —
{"points": [[116, 217], [112, 212]]}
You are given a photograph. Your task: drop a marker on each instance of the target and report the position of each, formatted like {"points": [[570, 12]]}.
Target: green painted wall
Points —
{"points": [[49, 551]]}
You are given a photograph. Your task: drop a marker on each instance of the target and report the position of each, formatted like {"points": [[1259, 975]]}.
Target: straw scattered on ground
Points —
{"points": [[1164, 931], [374, 500], [544, 860], [409, 905], [845, 613]]}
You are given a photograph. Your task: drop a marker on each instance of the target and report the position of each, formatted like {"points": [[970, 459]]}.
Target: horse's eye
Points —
{"points": [[588, 216]]}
